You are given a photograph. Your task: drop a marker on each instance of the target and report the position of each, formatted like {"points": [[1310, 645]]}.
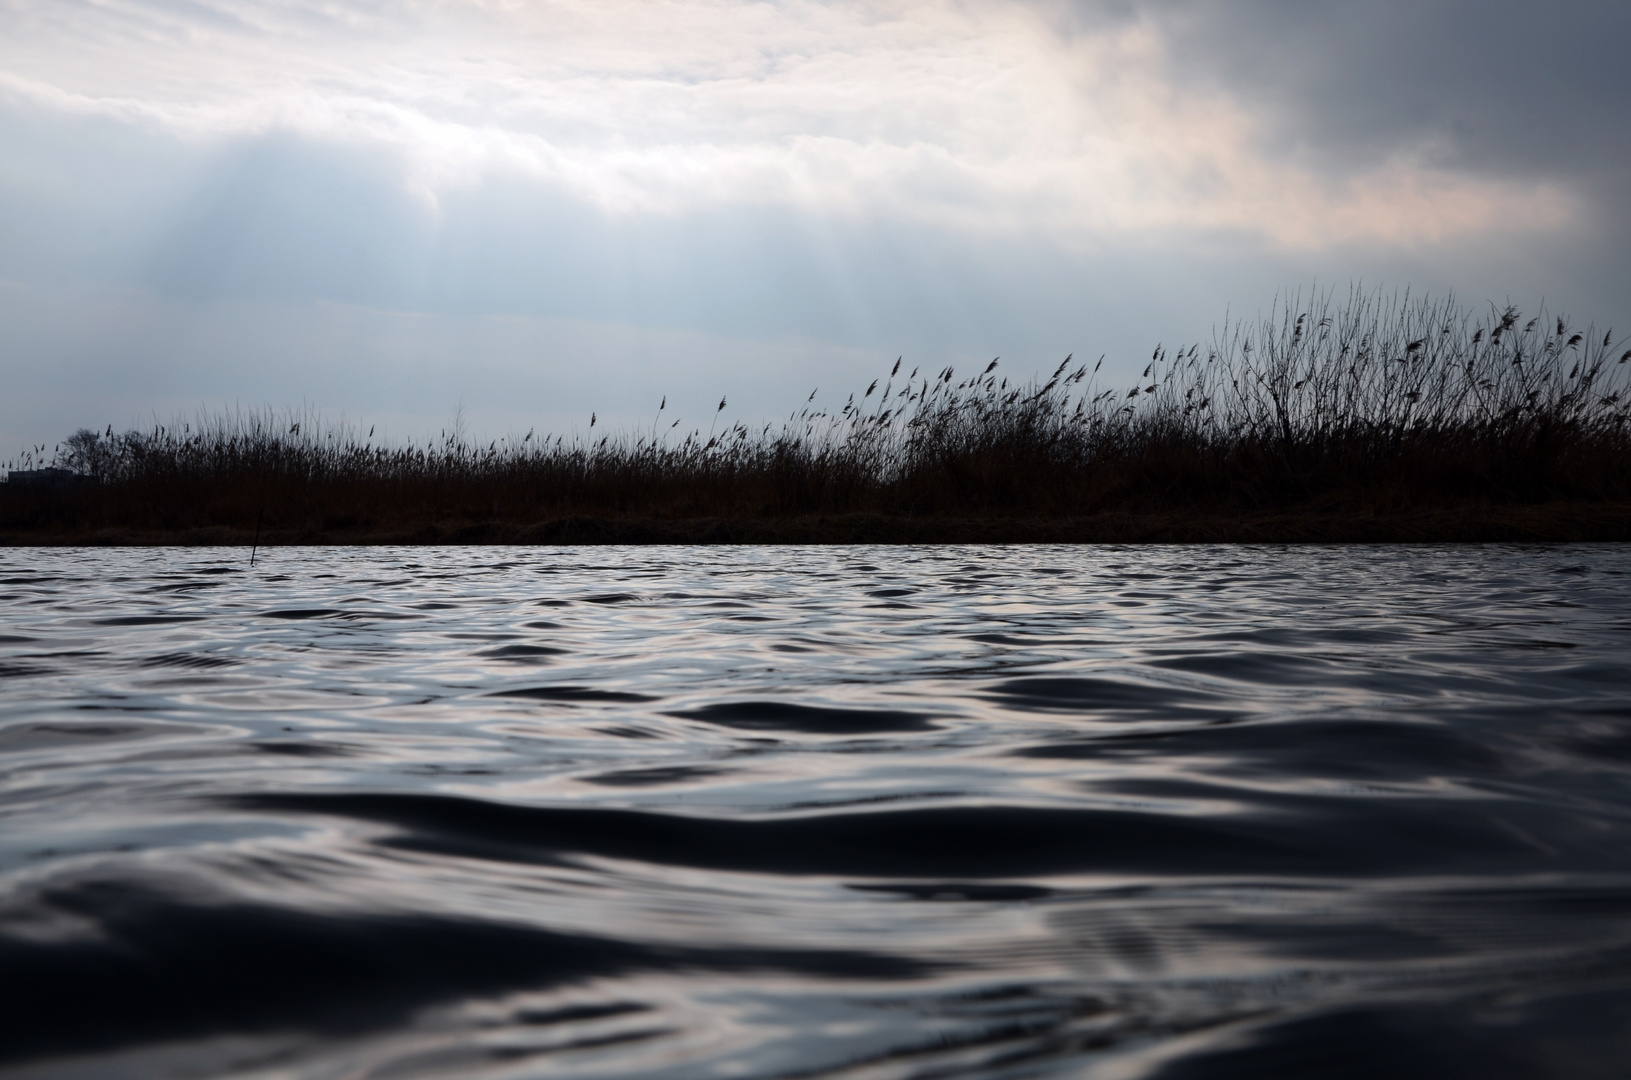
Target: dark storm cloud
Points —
{"points": [[1507, 88]]}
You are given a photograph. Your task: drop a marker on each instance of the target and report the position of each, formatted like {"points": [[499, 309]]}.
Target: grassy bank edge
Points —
{"points": [[1545, 522]]}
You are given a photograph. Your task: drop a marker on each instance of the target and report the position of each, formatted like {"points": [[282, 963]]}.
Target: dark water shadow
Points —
{"points": [[1080, 694], [954, 892], [571, 693], [292, 748], [23, 737], [520, 652], [1394, 751], [1330, 837], [159, 967], [806, 719], [1272, 669], [146, 620], [187, 660], [1561, 1037], [655, 777]]}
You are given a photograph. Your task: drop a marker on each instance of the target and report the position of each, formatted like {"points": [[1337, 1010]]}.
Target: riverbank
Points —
{"points": [[1539, 523]]}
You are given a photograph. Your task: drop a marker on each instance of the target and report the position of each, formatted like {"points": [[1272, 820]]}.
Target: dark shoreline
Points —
{"points": [[1561, 522]]}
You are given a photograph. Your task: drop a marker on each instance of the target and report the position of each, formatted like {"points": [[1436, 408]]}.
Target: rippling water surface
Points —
{"points": [[859, 812]]}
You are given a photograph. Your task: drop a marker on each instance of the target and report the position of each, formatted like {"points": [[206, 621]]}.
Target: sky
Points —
{"points": [[395, 210]]}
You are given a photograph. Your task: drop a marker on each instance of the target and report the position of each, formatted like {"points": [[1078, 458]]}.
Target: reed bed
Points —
{"points": [[1368, 403]]}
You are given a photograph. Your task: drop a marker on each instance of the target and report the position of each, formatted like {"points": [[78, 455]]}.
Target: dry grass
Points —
{"points": [[1378, 405]]}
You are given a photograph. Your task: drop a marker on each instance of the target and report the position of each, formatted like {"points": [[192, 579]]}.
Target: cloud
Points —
{"points": [[984, 118], [270, 200], [1498, 89]]}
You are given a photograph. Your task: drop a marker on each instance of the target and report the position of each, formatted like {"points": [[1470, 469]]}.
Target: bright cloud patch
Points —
{"points": [[975, 117]]}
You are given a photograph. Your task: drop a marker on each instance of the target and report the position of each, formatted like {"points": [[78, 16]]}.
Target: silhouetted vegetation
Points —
{"points": [[1373, 409]]}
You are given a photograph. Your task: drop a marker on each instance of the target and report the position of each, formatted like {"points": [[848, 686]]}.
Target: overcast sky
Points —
{"points": [[389, 208]]}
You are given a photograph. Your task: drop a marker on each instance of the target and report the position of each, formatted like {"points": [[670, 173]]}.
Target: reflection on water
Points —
{"points": [[860, 812]]}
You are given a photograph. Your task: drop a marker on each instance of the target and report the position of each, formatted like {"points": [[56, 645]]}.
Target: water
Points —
{"points": [[858, 812]]}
